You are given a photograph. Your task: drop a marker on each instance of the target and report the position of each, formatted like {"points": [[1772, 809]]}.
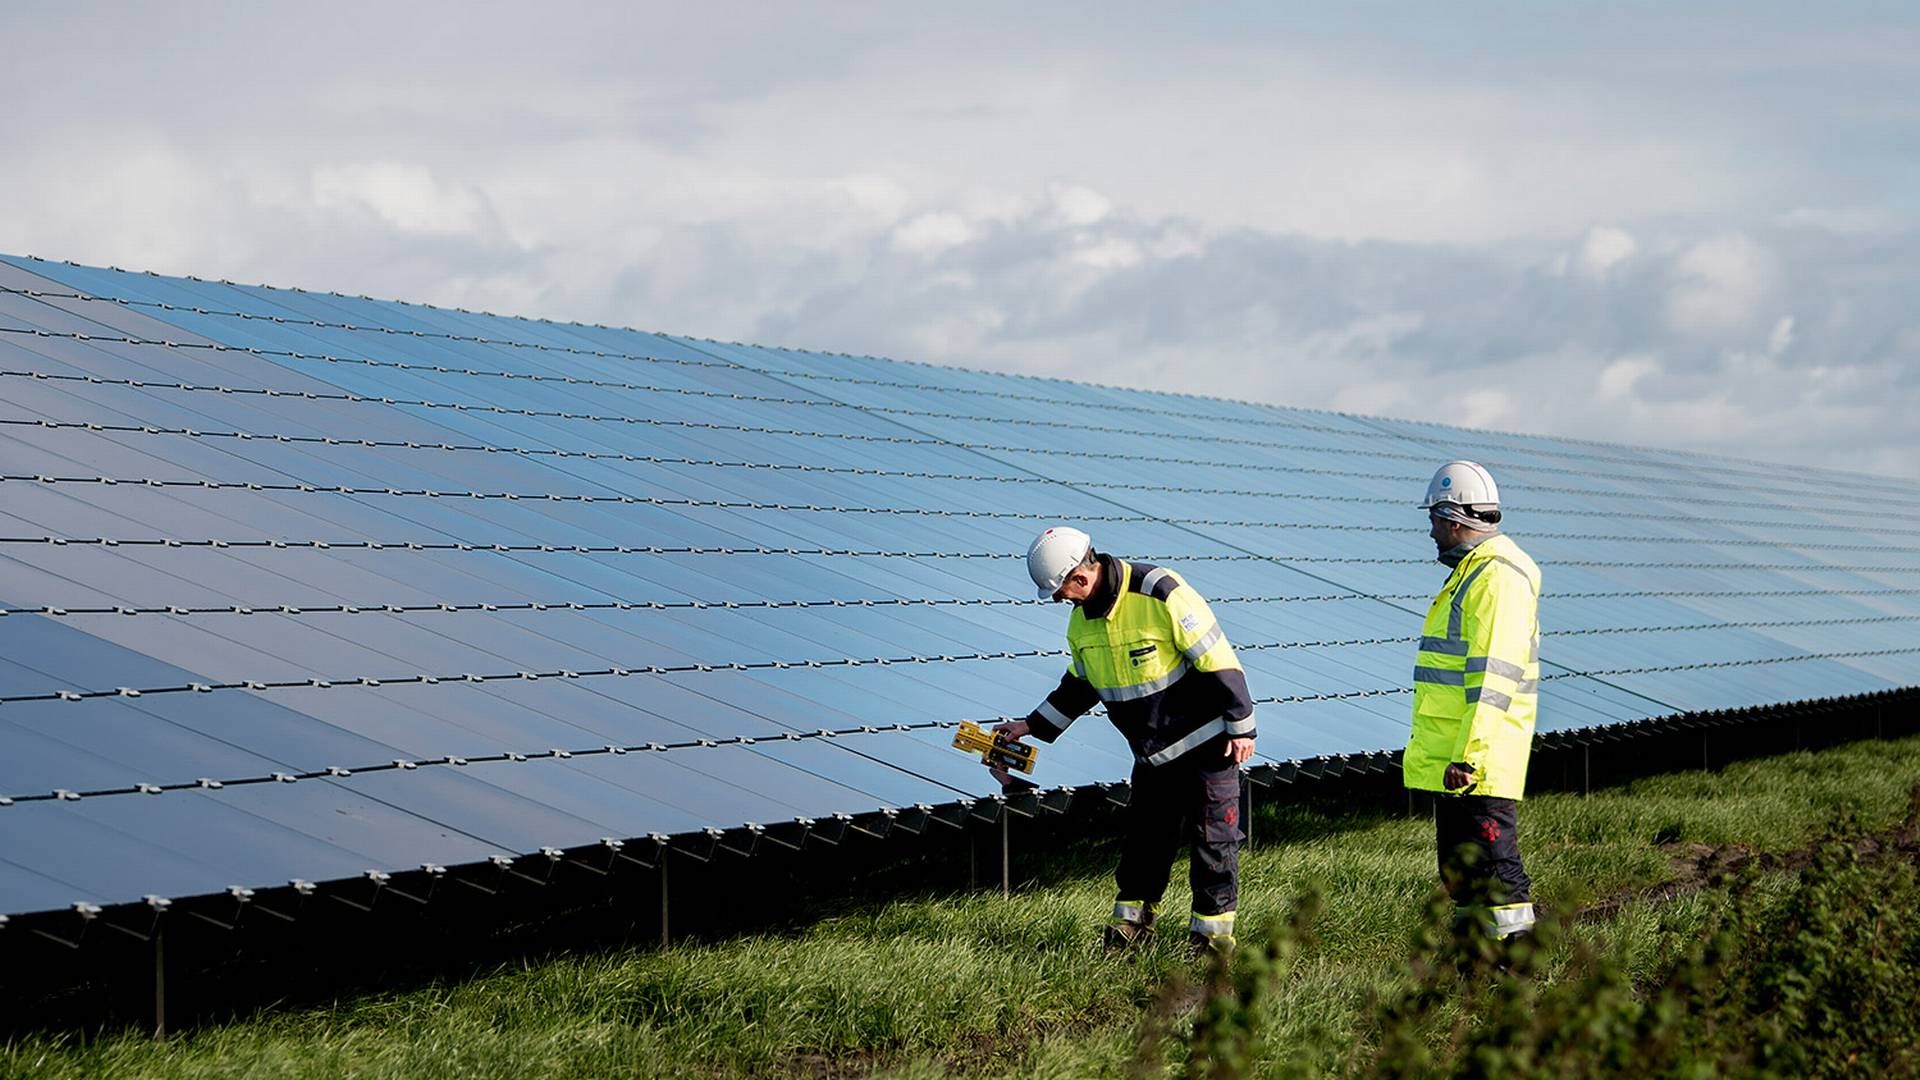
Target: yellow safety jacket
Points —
{"points": [[1476, 683], [1148, 647]]}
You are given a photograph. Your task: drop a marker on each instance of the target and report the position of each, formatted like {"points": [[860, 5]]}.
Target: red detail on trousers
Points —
{"points": [[1489, 830], [1233, 815]]}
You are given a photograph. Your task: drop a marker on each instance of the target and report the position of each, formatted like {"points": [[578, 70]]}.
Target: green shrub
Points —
{"points": [[1798, 971]]}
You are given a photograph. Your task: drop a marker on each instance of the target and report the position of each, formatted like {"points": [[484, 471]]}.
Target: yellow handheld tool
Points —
{"points": [[992, 749]]}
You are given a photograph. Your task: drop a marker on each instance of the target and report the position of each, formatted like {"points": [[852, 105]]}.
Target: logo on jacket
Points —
{"points": [[1189, 622], [1141, 655], [1490, 830]]}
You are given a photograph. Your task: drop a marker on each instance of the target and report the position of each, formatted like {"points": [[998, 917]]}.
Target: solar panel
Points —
{"points": [[300, 587]]}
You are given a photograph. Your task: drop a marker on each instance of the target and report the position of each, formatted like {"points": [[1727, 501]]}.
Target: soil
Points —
{"points": [[1700, 866]]}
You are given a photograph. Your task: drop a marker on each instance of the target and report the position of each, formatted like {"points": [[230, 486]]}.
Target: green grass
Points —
{"points": [[978, 985]]}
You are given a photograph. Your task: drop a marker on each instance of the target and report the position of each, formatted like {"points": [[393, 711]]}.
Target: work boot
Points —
{"points": [[1203, 944], [1131, 925], [1211, 933], [1515, 951]]}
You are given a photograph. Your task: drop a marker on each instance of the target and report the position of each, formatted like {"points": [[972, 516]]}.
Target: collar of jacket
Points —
{"points": [[1457, 554], [1100, 604]]}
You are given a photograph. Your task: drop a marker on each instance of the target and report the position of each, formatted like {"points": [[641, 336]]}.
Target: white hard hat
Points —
{"points": [[1464, 485], [1053, 555]]}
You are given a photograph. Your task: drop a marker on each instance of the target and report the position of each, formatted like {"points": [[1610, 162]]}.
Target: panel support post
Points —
{"points": [[1246, 812], [1006, 853], [1706, 762], [159, 985], [664, 933], [973, 857], [1586, 771]]}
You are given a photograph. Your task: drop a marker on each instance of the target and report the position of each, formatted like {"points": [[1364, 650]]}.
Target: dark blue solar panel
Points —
{"points": [[299, 586]]}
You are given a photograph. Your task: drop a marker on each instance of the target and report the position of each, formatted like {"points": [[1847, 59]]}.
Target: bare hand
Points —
{"points": [[1240, 749], [1459, 775]]}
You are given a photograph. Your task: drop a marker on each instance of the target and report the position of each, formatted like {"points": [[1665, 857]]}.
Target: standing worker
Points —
{"points": [[1145, 643], [1476, 690]]}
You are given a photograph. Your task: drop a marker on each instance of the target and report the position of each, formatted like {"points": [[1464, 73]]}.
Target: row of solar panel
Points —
{"points": [[1321, 698], [1363, 437], [297, 312]]}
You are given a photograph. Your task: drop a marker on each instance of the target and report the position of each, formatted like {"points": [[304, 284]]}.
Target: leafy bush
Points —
{"points": [[1802, 970]]}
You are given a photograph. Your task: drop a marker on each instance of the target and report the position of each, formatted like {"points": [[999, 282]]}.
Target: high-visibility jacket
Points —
{"points": [[1476, 683], [1148, 646]]}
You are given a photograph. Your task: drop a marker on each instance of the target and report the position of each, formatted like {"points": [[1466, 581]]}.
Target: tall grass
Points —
{"points": [[980, 985]]}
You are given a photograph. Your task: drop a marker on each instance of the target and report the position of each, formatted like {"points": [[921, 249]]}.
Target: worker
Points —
{"points": [[1142, 641], [1476, 690]]}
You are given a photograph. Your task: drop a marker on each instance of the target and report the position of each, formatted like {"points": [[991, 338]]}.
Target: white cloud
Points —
{"points": [[1429, 332], [1619, 378], [1846, 220], [1079, 205], [1480, 406], [406, 197], [1283, 208], [879, 195], [1605, 247], [1112, 253], [1718, 284], [932, 233], [1782, 337], [1177, 240], [135, 199]]}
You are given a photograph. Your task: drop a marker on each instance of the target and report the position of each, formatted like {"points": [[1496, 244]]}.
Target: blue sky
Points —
{"points": [[1688, 225]]}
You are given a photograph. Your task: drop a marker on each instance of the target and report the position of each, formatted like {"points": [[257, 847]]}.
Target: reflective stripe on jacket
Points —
{"points": [[1476, 682], [1158, 659]]}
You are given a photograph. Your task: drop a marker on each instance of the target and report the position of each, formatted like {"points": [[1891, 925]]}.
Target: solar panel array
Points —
{"points": [[300, 586]]}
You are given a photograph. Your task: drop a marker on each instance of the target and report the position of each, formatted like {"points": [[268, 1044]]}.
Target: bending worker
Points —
{"points": [[1476, 689], [1145, 643]]}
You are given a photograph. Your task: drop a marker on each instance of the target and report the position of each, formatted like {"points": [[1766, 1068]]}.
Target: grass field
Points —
{"points": [[977, 985]]}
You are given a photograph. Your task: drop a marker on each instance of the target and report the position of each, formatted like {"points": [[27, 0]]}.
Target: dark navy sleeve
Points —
{"points": [[1068, 702]]}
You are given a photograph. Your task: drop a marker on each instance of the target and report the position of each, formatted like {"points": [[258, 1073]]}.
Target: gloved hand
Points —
{"points": [[1011, 731], [1459, 777], [1009, 783]]}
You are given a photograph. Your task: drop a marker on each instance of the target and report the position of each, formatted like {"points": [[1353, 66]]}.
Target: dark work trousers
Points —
{"points": [[1489, 825], [1195, 799]]}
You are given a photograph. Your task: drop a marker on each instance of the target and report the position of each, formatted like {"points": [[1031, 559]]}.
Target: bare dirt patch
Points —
{"points": [[1700, 866]]}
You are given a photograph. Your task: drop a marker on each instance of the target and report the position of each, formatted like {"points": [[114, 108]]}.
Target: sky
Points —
{"points": [[1680, 224]]}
